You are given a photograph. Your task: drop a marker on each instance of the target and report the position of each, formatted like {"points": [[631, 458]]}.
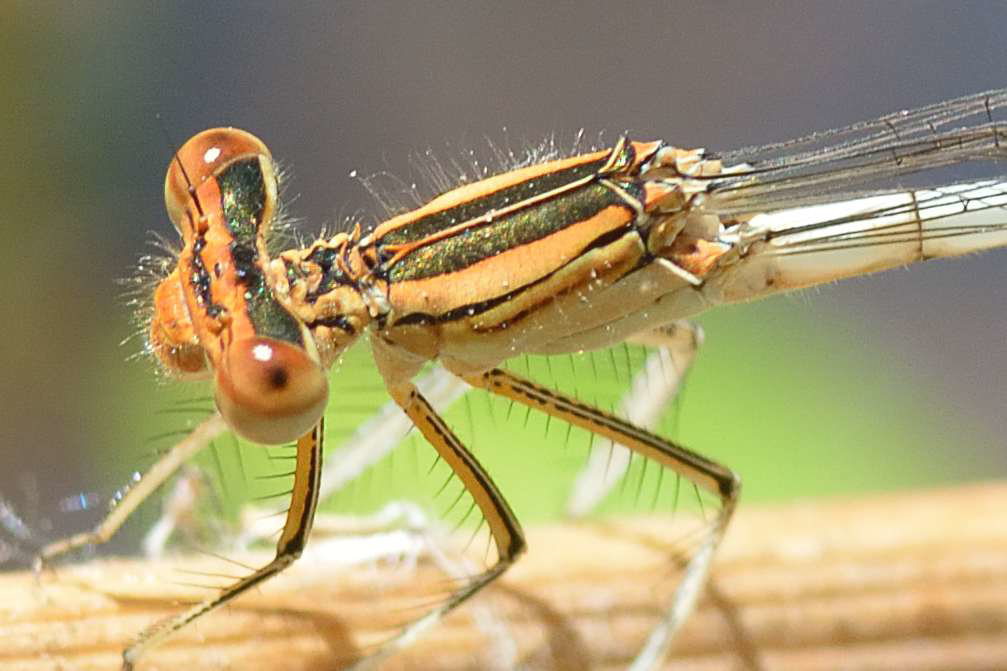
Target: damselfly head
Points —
{"points": [[270, 391], [218, 310]]}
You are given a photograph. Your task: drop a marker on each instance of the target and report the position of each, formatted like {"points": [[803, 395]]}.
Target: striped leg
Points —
{"points": [[303, 502], [652, 389], [706, 474], [503, 525]]}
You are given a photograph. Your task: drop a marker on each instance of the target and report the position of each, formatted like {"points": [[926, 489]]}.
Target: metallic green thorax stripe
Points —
{"points": [[472, 309], [523, 227], [480, 207], [243, 198]]}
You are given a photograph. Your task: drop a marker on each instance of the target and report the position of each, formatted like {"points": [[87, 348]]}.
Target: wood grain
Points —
{"points": [[899, 581]]}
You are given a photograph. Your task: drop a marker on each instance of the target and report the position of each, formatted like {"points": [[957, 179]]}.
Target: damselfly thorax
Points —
{"points": [[563, 256], [525, 262]]}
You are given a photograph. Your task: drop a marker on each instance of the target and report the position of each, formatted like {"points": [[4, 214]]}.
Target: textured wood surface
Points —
{"points": [[900, 581]]}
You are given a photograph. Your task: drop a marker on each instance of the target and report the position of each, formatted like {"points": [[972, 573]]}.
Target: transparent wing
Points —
{"points": [[881, 154]]}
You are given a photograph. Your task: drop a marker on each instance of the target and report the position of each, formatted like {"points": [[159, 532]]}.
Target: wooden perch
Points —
{"points": [[902, 581]]}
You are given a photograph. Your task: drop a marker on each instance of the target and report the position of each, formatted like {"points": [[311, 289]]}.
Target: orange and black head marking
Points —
{"points": [[221, 196]]}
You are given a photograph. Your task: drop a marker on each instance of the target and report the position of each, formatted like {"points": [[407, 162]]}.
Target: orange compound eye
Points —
{"points": [[199, 159], [270, 391]]}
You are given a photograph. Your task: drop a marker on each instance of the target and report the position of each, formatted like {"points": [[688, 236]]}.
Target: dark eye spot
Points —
{"points": [[278, 377]]}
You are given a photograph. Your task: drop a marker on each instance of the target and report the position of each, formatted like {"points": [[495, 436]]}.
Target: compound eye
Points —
{"points": [[270, 391], [200, 159]]}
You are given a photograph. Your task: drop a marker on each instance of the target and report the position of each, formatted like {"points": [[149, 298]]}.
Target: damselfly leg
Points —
{"points": [[157, 475], [709, 475], [651, 391], [303, 502]]}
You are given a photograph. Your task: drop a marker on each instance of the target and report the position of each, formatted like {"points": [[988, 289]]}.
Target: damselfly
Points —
{"points": [[562, 256]]}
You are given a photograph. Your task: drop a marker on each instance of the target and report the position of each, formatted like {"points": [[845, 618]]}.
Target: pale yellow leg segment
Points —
{"points": [[163, 469], [303, 502], [712, 477], [503, 525]]}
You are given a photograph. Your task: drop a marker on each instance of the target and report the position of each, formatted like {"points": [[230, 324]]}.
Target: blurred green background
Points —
{"points": [[883, 382]]}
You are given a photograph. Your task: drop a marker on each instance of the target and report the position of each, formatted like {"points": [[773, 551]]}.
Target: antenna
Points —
{"points": [[178, 159]]}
